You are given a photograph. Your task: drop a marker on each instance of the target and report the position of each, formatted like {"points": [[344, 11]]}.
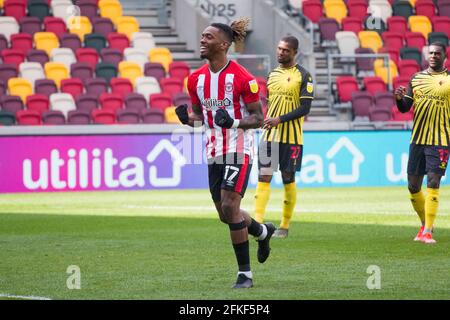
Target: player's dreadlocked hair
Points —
{"points": [[236, 31]]}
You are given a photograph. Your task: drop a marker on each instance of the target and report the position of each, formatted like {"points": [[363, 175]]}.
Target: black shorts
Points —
{"points": [[288, 157], [230, 172], [424, 159]]}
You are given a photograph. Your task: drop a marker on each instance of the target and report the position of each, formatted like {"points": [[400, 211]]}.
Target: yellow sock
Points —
{"points": [[431, 207], [262, 195], [290, 198], [418, 203]]}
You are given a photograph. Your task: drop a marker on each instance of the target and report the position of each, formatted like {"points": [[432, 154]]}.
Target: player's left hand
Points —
{"points": [[271, 122], [223, 119]]}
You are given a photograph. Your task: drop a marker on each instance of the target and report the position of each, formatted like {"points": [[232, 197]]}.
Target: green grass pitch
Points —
{"points": [[171, 245]]}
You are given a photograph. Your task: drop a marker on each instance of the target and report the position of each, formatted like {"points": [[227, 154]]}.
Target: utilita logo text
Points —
{"points": [[100, 169]]}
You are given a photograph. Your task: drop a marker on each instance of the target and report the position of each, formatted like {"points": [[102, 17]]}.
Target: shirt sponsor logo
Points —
{"points": [[210, 104]]}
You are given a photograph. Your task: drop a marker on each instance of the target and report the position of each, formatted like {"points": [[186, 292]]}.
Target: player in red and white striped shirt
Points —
{"points": [[225, 100]]}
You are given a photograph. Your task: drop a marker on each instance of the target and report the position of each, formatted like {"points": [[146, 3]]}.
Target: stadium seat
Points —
{"points": [[179, 69], [88, 9], [45, 86], [370, 39], [160, 101], [397, 24], [438, 37], [171, 85], [392, 39], [154, 69], [312, 9], [130, 70], [95, 41], [143, 41], [38, 102], [361, 103], [81, 70], [384, 100], [136, 55], [39, 56], [53, 117], [81, 26], [11, 103], [38, 9], [161, 55], [56, 71], [62, 9], [380, 114], [88, 55], [46, 41], [87, 102], [112, 56], [345, 86], [181, 98], [352, 24], [128, 116], [20, 87], [7, 118], [15, 8], [411, 53], [444, 8], [398, 116], [335, 9], [111, 101], [152, 116], [408, 67], [12, 57], [96, 86], [73, 86], [9, 26], [170, 116], [69, 40], [55, 25], [22, 42], [420, 24], [380, 9], [30, 25], [373, 85], [357, 9], [147, 86], [127, 25], [425, 8], [415, 39], [327, 29], [101, 116], [441, 24], [106, 71], [135, 101], [63, 55], [403, 9], [79, 117], [8, 71], [102, 26], [118, 41], [401, 81], [28, 118], [394, 53], [63, 102], [382, 71], [121, 86], [31, 71], [110, 9]]}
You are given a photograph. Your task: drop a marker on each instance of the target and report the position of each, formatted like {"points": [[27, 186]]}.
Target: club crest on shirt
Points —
{"points": [[229, 87], [253, 86]]}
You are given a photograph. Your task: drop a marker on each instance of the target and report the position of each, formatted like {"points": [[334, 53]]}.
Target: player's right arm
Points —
{"points": [[403, 100]]}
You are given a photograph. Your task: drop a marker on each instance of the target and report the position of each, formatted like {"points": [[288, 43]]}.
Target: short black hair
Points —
{"points": [[226, 29], [291, 41], [439, 44]]}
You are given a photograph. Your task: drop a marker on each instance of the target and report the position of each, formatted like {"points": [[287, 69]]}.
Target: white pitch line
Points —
{"points": [[3, 295]]}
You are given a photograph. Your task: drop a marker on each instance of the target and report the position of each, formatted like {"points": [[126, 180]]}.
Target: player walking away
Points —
{"points": [[225, 99], [429, 92], [290, 93]]}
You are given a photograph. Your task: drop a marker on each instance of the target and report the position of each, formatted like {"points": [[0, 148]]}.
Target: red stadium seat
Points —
{"points": [[312, 9], [22, 42], [12, 57], [392, 39], [179, 69], [160, 101], [102, 116], [28, 118], [394, 53], [38, 102], [74, 86], [118, 41], [15, 8], [425, 8], [55, 25], [121, 86], [415, 39], [374, 85], [398, 116], [171, 85], [441, 24], [352, 24], [408, 67], [111, 101], [357, 8], [401, 81], [397, 24], [88, 55], [346, 85]]}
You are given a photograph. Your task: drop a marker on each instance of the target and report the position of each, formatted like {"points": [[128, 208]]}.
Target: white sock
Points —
{"points": [[263, 234], [248, 274]]}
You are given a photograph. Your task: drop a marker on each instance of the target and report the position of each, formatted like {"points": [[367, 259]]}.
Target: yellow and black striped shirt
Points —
{"points": [[430, 93], [286, 86]]}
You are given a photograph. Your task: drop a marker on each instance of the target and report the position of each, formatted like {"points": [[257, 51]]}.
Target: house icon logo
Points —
{"points": [[357, 159], [178, 161]]}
